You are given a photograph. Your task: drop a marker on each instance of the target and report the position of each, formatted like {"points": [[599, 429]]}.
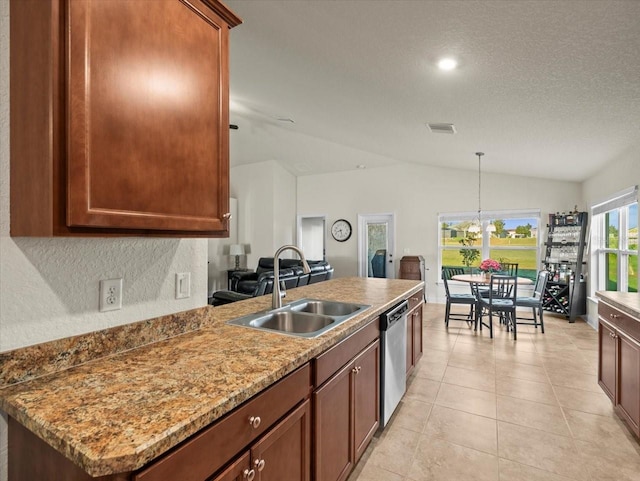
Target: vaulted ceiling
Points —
{"points": [[548, 89]]}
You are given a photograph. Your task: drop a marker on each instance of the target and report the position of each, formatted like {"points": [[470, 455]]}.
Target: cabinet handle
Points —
{"points": [[227, 216], [355, 370], [614, 316], [249, 474], [255, 421], [259, 463]]}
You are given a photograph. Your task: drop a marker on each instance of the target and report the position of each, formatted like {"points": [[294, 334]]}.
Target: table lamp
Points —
{"points": [[236, 250]]}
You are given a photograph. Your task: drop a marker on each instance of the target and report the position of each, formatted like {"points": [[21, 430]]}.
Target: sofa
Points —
{"points": [[244, 285]]}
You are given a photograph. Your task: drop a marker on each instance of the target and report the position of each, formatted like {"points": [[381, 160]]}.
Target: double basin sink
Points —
{"points": [[302, 318]]}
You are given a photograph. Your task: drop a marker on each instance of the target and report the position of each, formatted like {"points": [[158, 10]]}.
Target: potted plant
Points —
{"points": [[469, 256]]}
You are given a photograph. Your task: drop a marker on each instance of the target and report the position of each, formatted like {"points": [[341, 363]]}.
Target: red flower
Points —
{"points": [[489, 265]]}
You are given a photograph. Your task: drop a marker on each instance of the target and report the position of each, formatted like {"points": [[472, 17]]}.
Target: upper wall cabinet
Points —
{"points": [[120, 117]]}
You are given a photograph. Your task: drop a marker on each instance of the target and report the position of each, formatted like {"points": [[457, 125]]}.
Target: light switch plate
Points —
{"points": [[183, 285]]}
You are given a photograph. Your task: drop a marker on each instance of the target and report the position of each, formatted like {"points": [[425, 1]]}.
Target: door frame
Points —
{"points": [[363, 220], [299, 220]]}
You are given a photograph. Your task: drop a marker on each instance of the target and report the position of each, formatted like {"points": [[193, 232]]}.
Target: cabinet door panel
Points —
{"points": [[333, 427], [237, 471], [417, 334], [366, 387], [285, 452], [148, 125], [607, 360], [409, 361], [628, 392]]}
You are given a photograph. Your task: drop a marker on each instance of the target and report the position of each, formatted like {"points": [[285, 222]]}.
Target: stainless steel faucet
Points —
{"points": [[278, 294]]}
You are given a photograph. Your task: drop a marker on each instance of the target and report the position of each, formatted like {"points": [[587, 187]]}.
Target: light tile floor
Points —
{"points": [[483, 409]]}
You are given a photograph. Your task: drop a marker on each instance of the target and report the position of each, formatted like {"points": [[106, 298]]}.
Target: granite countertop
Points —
{"points": [[628, 302], [118, 412]]}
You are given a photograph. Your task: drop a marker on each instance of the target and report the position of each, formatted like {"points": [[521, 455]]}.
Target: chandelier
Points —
{"points": [[476, 225]]}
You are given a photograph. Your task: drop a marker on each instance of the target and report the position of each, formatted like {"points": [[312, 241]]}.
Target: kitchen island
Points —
{"points": [[116, 413]]}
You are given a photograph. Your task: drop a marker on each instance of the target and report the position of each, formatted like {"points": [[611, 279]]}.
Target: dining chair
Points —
{"points": [[534, 302], [501, 301], [460, 299], [509, 268]]}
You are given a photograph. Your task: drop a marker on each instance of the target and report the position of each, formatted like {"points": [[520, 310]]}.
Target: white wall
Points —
{"points": [[266, 195], [617, 175], [416, 194]]}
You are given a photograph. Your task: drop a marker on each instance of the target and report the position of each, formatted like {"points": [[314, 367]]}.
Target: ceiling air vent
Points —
{"points": [[442, 128]]}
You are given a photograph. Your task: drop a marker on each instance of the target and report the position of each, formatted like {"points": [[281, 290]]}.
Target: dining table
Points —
{"points": [[485, 279], [482, 279]]}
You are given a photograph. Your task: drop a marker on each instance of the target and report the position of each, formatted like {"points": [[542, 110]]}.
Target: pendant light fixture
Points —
{"points": [[476, 225]]}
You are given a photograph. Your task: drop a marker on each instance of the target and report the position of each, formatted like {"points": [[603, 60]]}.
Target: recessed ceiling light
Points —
{"points": [[447, 64]]}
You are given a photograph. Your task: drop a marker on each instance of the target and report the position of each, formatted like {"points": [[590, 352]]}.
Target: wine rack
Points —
{"points": [[565, 293]]}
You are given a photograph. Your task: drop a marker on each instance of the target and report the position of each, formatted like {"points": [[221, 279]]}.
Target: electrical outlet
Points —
{"points": [[110, 295], [183, 285]]}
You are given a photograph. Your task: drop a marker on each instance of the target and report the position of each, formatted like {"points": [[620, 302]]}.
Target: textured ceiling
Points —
{"points": [[548, 89]]}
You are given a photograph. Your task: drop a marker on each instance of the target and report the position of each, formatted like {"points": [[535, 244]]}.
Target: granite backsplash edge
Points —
{"points": [[30, 362]]}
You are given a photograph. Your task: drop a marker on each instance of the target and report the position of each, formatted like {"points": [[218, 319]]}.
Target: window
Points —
{"points": [[514, 240], [614, 240]]}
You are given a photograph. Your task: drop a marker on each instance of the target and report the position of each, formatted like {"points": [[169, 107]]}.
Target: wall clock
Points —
{"points": [[341, 230]]}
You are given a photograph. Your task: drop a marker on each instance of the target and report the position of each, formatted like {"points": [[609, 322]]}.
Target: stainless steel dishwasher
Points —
{"points": [[393, 359]]}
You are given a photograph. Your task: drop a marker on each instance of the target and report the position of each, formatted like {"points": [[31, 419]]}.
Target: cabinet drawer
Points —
{"points": [[416, 299], [329, 362], [202, 455], [618, 319]]}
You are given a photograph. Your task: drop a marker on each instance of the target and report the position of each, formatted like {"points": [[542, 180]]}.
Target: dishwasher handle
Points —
{"points": [[393, 315]]}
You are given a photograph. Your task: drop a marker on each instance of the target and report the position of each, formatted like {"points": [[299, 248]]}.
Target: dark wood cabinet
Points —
{"points": [[619, 362], [628, 387], [412, 267], [119, 117], [333, 427], [283, 453], [607, 365], [239, 470], [414, 330], [366, 396], [346, 405]]}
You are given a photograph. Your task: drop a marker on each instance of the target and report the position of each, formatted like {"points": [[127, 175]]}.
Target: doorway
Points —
{"points": [[312, 236], [376, 234]]}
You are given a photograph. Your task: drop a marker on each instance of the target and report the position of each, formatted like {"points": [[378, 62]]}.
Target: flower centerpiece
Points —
{"points": [[489, 266]]}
